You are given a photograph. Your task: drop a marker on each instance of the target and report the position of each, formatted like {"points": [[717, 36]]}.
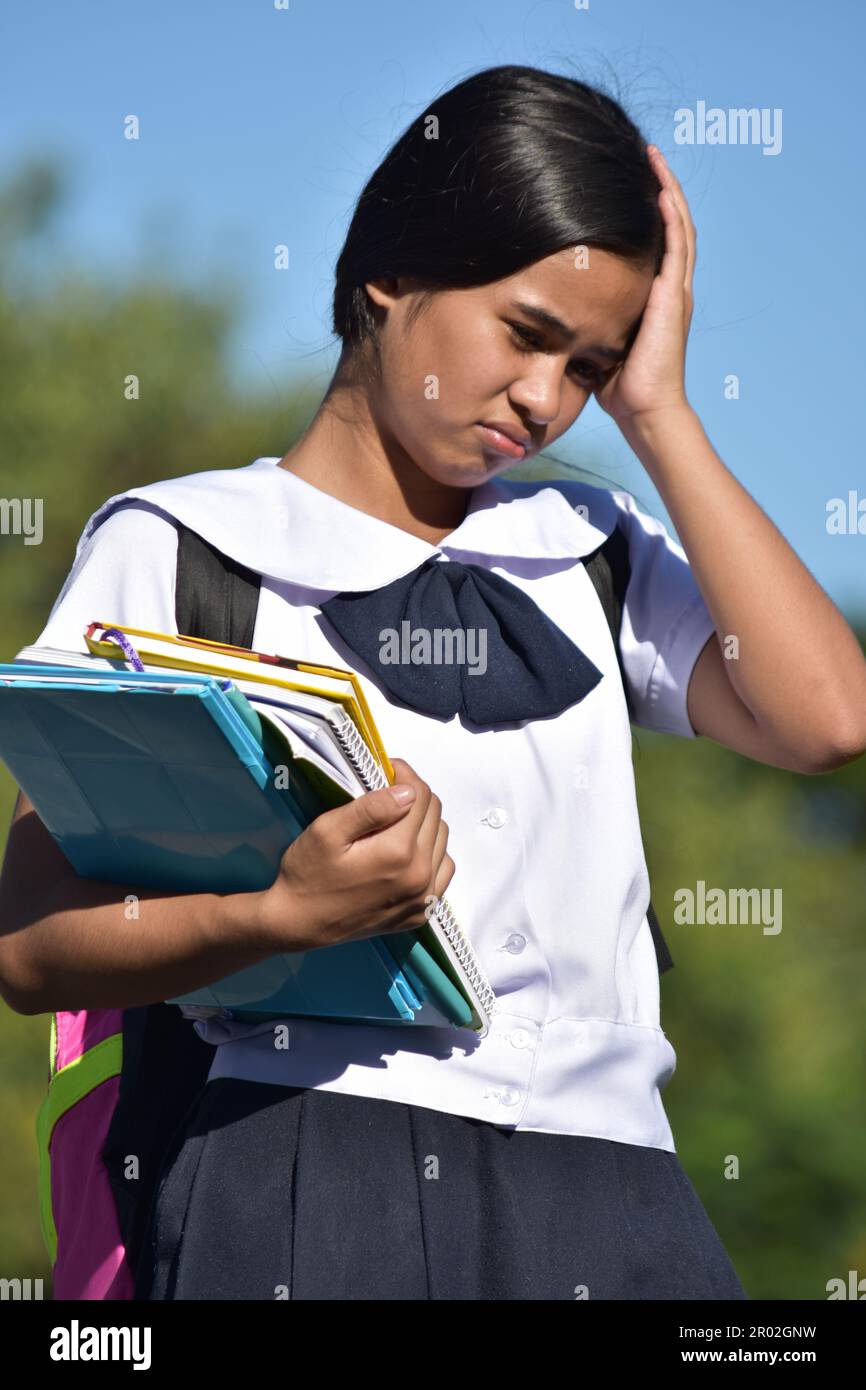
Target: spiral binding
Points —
{"points": [[373, 778], [466, 955], [358, 753]]}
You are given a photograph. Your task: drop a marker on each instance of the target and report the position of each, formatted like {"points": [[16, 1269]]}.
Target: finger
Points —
{"points": [[377, 811], [365, 816], [435, 849], [416, 832], [440, 847], [423, 793], [428, 835], [669, 180], [439, 881], [668, 176], [444, 875], [411, 824], [673, 269], [404, 773]]}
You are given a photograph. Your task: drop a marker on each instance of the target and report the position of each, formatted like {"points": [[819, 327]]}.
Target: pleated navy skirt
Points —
{"points": [[273, 1192]]}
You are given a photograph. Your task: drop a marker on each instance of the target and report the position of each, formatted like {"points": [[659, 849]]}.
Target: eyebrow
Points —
{"points": [[546, 319]]}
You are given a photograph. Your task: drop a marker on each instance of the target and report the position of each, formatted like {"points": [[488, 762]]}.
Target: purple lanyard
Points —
{"points": [[126, 646]]}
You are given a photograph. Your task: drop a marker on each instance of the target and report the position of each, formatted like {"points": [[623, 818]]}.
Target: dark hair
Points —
{"points": [[512, 164]]}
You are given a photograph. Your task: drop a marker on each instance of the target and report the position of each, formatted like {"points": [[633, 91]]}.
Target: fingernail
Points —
{"points": [[402, 794]]}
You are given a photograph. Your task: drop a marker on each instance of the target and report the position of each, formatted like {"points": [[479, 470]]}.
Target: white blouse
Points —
{"points": [[550, 883]]}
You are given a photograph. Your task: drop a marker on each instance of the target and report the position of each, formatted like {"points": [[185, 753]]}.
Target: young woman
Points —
{"points": [[518, 250]]}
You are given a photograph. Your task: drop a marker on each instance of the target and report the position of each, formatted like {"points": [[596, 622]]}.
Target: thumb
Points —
{"points": [[375, 810]]}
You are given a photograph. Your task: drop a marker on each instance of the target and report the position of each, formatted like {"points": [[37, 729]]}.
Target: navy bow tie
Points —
{"points": [[451, 638]]}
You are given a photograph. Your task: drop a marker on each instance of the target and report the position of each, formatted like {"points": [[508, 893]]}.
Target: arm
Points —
{"points": [[794, 696], [66, 942], [361, 870], [791, 691]]}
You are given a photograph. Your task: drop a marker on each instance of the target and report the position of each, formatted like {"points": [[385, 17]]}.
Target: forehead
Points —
{"points": [[589, 289]]}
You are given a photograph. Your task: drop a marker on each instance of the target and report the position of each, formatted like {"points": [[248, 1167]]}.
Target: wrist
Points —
{"points": [[650, 432], [241, 920]]}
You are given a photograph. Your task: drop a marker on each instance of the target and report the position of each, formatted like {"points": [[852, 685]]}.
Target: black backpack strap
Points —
{"points": [[165, 1063], [663, 955], [164, 1066], [610, 570], [215, 596]]}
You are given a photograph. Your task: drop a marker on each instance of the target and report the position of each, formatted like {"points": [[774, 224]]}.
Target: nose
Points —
{"points": [[539, 393]]}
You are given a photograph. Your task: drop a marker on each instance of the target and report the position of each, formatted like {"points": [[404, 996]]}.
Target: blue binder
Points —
{"points": [[157, 779]]}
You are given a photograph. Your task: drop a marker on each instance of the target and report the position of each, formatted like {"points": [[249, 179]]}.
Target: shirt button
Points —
{"points": [[514, 944], [496, 817], [510, 1096], [520, 1038]]}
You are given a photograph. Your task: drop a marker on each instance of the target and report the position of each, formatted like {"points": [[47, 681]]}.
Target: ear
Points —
{"points": [[384, 292]]}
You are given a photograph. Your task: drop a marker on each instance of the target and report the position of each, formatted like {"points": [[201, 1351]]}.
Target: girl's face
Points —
{"points": [[481, 356]]}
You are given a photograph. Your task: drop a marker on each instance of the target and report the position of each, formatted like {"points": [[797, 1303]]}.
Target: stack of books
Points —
{"points": [[190, 766]]}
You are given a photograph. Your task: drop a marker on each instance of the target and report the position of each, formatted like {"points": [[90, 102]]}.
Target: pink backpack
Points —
{"points": [[75, 1194]]}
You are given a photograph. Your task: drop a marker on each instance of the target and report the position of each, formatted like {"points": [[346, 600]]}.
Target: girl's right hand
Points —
{"points": [[361, 870]]}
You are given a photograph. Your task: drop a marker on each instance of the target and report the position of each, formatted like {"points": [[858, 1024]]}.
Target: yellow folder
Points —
{"points": [[222, 659]]}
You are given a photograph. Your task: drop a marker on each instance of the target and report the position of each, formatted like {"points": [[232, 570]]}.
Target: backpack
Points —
{"points": [[122, 1081]]}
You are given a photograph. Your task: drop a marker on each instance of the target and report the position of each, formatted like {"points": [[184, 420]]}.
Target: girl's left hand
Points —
{"points": [[652, 377]]}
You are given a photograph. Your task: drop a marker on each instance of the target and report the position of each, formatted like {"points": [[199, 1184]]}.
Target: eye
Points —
{"points": [[526, 335], [591, 373], [528, 341]]}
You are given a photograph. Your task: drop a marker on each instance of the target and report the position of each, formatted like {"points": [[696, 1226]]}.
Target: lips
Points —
{"points": [[506, 438]]}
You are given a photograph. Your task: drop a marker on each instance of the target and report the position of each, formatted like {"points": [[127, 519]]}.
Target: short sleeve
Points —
{"points": [[665, 623], [123, 572]]}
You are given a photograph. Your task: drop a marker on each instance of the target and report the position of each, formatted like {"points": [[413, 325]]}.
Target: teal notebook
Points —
{"points": [[160, 779]]}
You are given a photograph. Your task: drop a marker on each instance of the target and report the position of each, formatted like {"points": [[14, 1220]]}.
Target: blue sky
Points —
{"points": [[260, 126]]}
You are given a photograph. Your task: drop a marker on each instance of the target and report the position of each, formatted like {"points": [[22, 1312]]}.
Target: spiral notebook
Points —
{"points": [[316, 719]]}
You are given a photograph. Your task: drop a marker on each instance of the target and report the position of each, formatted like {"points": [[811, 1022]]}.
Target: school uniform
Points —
{"points": [[369, 1161]]}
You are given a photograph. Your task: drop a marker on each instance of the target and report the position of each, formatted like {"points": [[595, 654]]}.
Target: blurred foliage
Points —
{"points": [[769, 1030]]}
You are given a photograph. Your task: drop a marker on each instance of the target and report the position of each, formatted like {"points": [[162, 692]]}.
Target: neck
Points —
{"points": [[345, 452]]}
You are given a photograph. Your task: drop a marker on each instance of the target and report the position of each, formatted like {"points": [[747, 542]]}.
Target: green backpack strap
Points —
{"points": [[609, 569]]}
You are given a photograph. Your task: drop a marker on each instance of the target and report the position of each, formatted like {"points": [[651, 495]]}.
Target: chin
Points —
{"points": [[475, 469], [451, 474]]}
